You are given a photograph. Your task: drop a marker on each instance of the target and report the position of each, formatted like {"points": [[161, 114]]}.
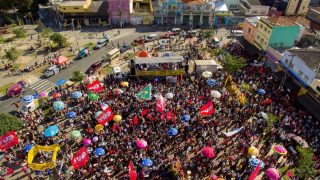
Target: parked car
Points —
{"points": [[93, 68], [151, 37], [16, 89], [168, 35], [139, 41], [101, 43], [125, 48], [52, 70], [84, 52]]}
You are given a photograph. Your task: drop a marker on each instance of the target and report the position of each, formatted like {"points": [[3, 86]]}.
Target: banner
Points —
{"points": [[8, 140], [144, 93], [80, 159], [254, 173], [46, 165], [160, 72], [207, 109], [132, 172], [161, 104], [231, 133], [95, 86], [105, 116]]}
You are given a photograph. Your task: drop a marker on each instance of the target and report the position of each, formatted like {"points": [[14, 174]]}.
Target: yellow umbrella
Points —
{"points": [[98, 128], [253, 151], [124, 84], [117, 118]]}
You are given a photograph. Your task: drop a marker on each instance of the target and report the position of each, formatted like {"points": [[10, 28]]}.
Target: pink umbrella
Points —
{"points": [[95, 139], [142, 144], [208, 152], [86, 141], [280, 149], [213, 177], [43, 94], [273, 174]]}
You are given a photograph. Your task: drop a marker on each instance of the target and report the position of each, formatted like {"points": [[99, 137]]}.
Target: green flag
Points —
{"points": [[145, 93]]}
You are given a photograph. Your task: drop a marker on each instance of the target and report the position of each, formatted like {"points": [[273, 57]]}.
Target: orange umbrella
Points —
{"points": [[60, 60], [142, 54], [56, 95]]}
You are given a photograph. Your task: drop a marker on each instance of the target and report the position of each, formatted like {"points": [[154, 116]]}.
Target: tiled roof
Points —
{"points": [[305, 22], [309, 56], [279, 21]]}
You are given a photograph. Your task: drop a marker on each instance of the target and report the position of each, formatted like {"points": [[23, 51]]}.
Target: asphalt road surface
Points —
{"points": [[6, 103]]}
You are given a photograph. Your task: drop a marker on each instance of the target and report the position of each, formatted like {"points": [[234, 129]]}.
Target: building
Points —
{"points": [[314, 14], [79, 13], [253, 8], [250, 29], [170, 12], [196, 13], [278, 32], [119, 12], [314, 3], [232, 4], [221, 13], [141, 12], [297, 7], [308, 30]]}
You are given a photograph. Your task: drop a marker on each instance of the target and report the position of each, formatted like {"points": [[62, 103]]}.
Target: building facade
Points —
{"points": [[253, 8], [141, 12], [232, 4], [250, 29], [297, 7], [221, 14], [171, 12], [119, 12], [196, 13], [314, 14]]}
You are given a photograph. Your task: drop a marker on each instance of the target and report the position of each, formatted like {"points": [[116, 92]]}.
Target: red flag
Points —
{"points": [[80, 159], [144, 112], [261, 70], [132, 172], [105, 116], [161, 104], [266, 102], [169, 115], [254, 173], [135, 120], [95, 86], [207, 109], [8, 140]]}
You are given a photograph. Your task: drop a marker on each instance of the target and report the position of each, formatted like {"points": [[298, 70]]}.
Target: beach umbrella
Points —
{"points": [[27, 148], [117, 118], [71, 114], [43, 94], [212, 82], [58, 105], [207, 74], [95, 139], [264, 115], [142, 144], [208, 152], [51, 131], [185, 118], [215, 94], [93, 96], [99, 152], [261, 91], [98, 128], [169, 95], [172, 131], [104, 106], [146, 162], [97, 114], [75, 134], [253, 151], [280, 149], [61, 82], [254, 162], [27, 99], [56, 95], [76, 94], [86, 141], [117, 91], [273, 174], [124, 84]]}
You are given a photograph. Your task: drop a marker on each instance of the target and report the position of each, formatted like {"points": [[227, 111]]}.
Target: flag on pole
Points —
{"points": [[254, 173], [207, 109], [8, 140], [132, 172], [144, 93]]}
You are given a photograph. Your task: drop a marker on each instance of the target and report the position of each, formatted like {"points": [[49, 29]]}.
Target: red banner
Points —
{"points": [[144, 112], [105, 116], [80, 159], [8, 140], [169, 115], [161, 104], [207, 109], [132, 172], [95, 86], [254, 173]]}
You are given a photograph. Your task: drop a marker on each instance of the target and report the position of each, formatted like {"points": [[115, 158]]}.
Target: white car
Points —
{"points": [[52, 70], [101, 43]]}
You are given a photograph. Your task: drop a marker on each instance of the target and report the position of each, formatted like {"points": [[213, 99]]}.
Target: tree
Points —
{"points": [[8, 123], [12, 54], [59, 39], [233, 64], [46, 34], [20, 33], [207, 34], [77, 76], [1, 40], [305, 167]]}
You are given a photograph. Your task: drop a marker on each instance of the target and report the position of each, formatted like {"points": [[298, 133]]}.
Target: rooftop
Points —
{"points": [[305, 22], [279, 21], [72, 3], [98, 6], [316, 8], [255, 2], [308, 56], [253, 20]]}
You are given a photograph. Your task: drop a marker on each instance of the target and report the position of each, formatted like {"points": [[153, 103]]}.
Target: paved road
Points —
{"points": [[46, 84]]}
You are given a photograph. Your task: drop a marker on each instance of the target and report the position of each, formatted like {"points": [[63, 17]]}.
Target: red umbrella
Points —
{"points": [[60, 60], [56, 95], [208, 152]]}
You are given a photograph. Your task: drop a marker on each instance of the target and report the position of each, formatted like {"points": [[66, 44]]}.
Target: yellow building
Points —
{"points": [[141, 12], [74, 6], [262, 35], [297, 7], [250, 29]]}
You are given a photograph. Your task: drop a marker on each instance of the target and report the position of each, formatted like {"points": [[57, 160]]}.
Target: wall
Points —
{"points": [[232, 4], [284, 36], [254, 10], [314, 16], [263, 35], [304, 7], [249, 32], [291, 7]]}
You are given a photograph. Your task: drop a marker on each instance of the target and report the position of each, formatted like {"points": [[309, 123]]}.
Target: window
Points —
{"points": [[263, 12], [291, 66], [75, 8], [300, 73], [306, 78], [287, 61], [258, 37], [265, 29], [64, 8], [269, 31], [261, 26], [254, 12], [249, 30], [262, 40]]}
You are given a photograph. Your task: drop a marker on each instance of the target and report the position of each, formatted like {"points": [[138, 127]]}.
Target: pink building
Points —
{"points": [[119, 12]]}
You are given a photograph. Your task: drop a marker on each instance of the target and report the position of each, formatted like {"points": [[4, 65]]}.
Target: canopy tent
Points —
{"points": [[143, 54], [60, 60]]}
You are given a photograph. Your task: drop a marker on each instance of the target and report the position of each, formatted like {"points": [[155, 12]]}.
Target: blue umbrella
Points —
{"points": [[212, 82], [51, 131], [27, 148], [71, 114], [58, 105], [261, 91], [61, 82], [185, 118], [172, 131], [35, 95], [146, 162], [27, 99], [254, 162], [100, 152], [76, 95]]}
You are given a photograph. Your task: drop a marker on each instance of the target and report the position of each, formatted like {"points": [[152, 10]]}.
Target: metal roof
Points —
{"points": [[205, 62], [153, 60]]}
